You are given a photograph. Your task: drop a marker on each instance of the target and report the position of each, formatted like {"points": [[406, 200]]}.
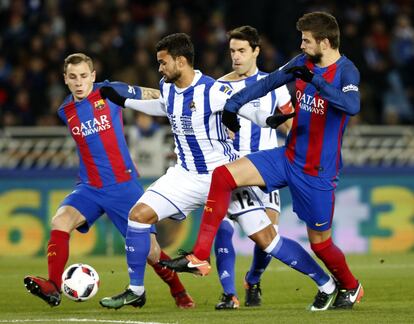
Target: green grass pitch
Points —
{"points": [[388, 281]]}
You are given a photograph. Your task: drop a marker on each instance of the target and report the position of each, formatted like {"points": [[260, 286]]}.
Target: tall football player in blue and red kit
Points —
{"points": [[327, 95], [108, 179]]}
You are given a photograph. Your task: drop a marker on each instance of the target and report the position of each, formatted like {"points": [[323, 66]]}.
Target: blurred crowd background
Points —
{"points": [[120, 36]]}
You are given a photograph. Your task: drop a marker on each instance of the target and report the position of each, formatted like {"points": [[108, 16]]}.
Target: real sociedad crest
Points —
{"points": [[100, 104], [192, 106]]}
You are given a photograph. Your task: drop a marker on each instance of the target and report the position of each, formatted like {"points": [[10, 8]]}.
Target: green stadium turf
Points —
{"points": [[388, 281]]}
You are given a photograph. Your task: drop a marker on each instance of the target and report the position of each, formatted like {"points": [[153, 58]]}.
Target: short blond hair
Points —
{"points": [[77, 58]]}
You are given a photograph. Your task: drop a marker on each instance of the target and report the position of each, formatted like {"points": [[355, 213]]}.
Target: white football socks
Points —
{"points": [[328, 287], [138, 290]]}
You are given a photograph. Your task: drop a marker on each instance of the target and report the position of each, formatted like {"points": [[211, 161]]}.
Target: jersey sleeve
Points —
{"points": [[282, 96], [219, 93], [125, 90], [153, 107], [256, 116], [262, 87], [347, 98]]}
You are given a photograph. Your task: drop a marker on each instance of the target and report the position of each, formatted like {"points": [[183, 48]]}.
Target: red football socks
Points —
{"points": [[169, 276], [334, 260], [57, 255], [222, 184]]}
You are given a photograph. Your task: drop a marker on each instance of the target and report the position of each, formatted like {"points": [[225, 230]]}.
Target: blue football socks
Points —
{"points": [[261, 260], [137, 246], [295, 256], [225, 257]]}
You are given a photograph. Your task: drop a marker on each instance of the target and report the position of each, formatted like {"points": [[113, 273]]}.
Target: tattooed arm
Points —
{"points": [[150, 93]]}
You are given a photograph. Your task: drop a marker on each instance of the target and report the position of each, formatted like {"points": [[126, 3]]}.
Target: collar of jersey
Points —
{"points": [[321, 70], [253, 76], [197, 77]]}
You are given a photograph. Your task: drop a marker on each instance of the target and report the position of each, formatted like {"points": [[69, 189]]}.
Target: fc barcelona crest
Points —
{"points": [[100, 104]]}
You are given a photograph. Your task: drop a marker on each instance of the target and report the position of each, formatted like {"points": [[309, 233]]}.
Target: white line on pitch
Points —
{"points": [[368, 266], [76, 320]]}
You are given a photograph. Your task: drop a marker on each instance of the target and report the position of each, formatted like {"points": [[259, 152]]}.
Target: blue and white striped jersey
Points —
{"points": [[251, 137], [201, 141]]}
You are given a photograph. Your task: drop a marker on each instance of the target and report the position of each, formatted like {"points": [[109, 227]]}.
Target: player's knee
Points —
{"points": [[264, 237], [139, 213], [58, 222], [67, 219]]}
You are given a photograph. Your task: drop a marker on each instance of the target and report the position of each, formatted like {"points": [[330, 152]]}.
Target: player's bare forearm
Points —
{"points": [[150, 93], [287, 108], [286, 126]]}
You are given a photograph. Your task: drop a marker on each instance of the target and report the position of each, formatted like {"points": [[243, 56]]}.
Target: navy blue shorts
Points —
{"points": [[116, 201], [313, 198]]}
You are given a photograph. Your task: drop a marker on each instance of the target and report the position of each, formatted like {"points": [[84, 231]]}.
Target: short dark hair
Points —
{"points": [[178, 44], [322, 25], [77, 58], [247, 33]]}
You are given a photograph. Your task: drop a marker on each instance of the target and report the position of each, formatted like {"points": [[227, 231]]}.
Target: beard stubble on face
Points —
{"points": [[173, 78], [316, 58]]}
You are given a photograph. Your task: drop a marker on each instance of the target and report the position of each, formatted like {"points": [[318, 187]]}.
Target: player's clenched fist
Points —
{"points": [[301, 72], [278, 119]]}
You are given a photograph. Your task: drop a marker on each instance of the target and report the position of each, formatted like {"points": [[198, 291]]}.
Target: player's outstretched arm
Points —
{"points": [[259, 117], [301, 72], [278, 118], [255, 115], [150, 93], [111, 94], [258, 89], [151, 107], [345, 99]]}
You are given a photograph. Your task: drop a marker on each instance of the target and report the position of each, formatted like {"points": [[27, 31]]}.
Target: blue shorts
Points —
{"points": [[115, 200], [313, 198]]}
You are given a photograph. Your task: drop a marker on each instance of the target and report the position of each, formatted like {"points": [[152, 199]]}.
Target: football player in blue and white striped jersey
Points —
{"points": [[244, 45], [193, 103]]}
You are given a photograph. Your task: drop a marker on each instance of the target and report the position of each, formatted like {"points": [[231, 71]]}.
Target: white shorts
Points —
{"points": [[248, 220], [179, 192], [270, 200]]}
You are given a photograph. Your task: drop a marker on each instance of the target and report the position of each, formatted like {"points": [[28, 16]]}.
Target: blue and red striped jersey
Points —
{"points": [[97, 127], [322, 110]]}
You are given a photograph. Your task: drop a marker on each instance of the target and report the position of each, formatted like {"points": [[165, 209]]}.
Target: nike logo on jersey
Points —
{"points": [[320, 224], [70, 118]]}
